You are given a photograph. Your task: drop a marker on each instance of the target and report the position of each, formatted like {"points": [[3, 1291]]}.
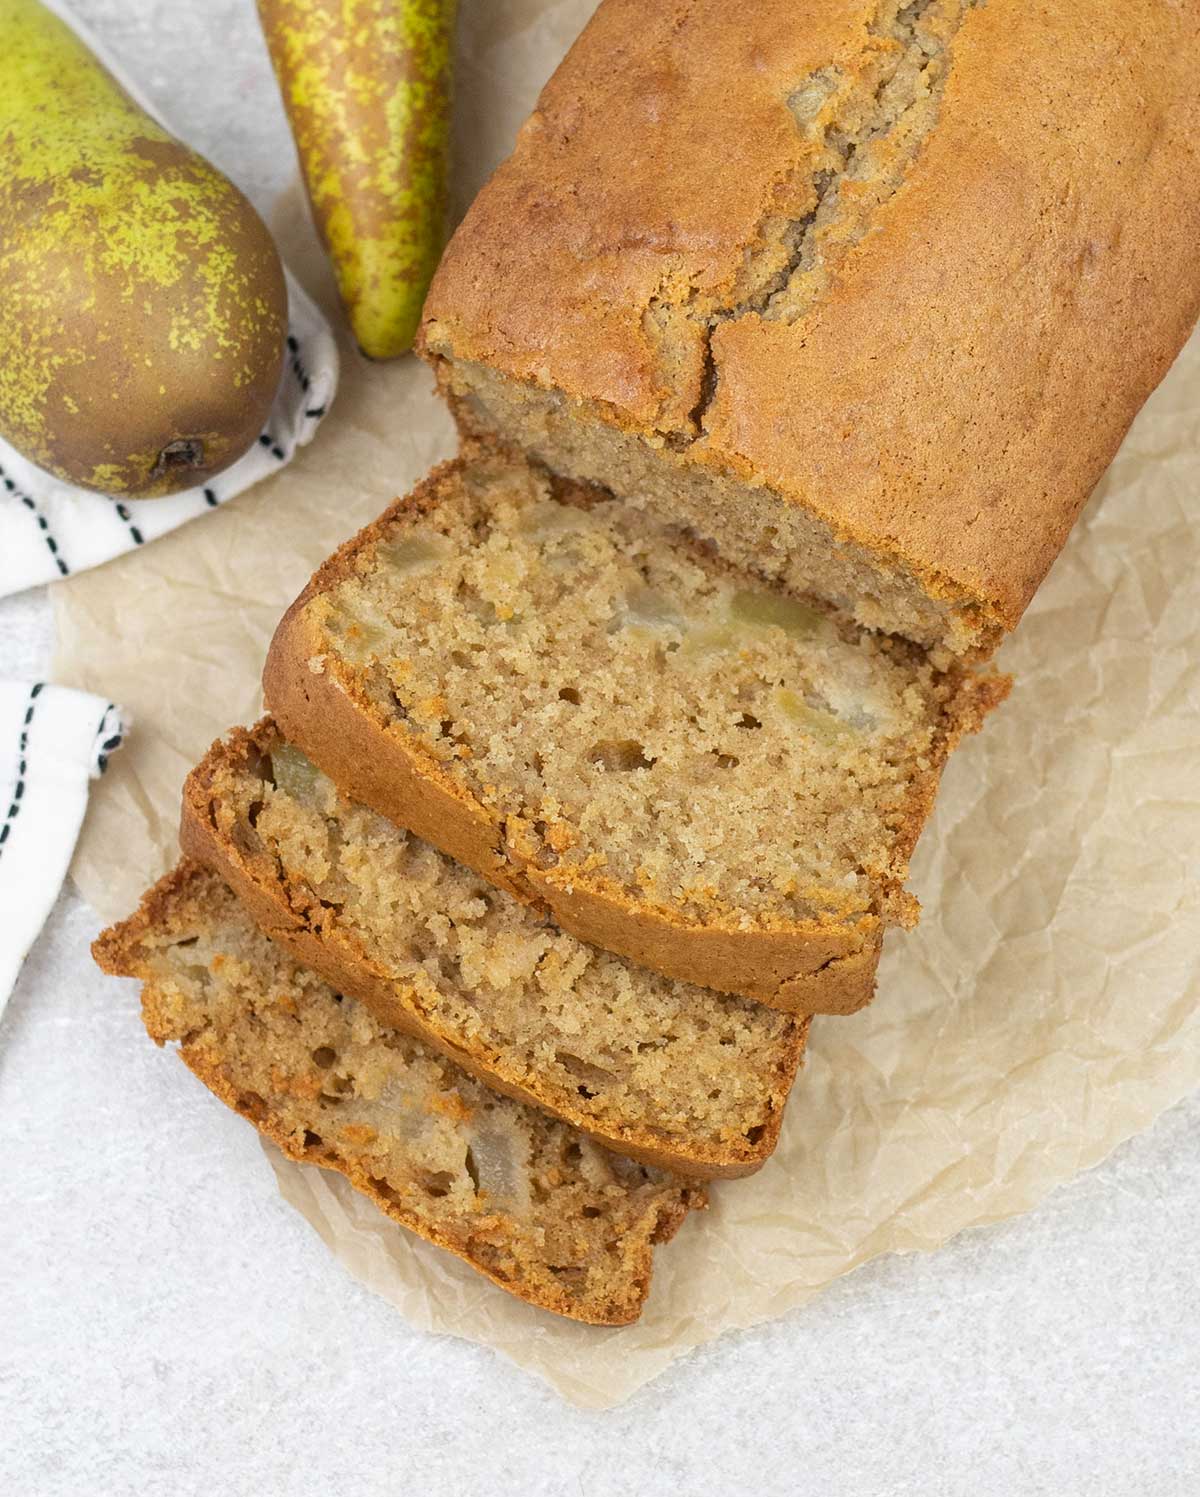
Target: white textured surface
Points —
{"points": [[168, 1325]]}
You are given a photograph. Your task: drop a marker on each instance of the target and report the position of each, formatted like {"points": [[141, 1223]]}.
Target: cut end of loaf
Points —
{"points": [[752, 525]]}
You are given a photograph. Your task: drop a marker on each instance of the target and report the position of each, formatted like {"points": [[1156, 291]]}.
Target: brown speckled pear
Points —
{"points": [[367, 88], [143, 308], [522, 1198]]}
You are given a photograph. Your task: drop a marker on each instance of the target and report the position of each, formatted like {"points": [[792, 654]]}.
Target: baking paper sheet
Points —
{"points": [[1048, 1006]]}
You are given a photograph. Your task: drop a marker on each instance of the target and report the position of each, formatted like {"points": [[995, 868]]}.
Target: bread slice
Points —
{"points": [[866, 293], [527, 1201], [670, 1073], [721, 782]]}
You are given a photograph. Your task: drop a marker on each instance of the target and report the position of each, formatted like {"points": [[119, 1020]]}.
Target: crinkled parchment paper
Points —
{"points": [[1047, 1007]]}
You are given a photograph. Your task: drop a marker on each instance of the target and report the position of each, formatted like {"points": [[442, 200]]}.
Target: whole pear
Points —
{"points": [[143, 309], [367, 88]]}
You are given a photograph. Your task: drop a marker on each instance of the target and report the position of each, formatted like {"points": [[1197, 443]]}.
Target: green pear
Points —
{"points": [[143, 309], [367, 88]]}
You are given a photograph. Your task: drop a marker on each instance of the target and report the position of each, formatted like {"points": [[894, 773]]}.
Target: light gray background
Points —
{"points": [[168, 1325]]}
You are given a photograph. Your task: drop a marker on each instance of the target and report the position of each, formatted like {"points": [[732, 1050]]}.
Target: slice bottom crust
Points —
{"points": [[529, 1202]]}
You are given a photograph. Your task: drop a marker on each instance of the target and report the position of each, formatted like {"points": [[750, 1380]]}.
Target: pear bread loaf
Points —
{"points": [[526, 1200], [720, 782], [866, 291], [664, 1071]]}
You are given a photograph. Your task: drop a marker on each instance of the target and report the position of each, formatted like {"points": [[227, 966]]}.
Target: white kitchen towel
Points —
{"points": [[49, 529], [52, 742]]}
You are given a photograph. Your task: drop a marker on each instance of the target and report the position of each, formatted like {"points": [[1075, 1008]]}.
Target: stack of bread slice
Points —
{"points": [[594, 767], [516, 908]]}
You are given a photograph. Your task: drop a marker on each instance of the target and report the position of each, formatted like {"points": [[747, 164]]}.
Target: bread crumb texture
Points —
{"points": [[640, 713], [613, 1048], [526, 1200]]}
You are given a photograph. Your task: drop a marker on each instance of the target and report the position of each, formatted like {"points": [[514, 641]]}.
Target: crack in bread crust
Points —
{"points": [[865, 126]]}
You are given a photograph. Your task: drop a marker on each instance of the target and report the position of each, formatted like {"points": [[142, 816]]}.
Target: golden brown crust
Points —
{"points": [[292, 918], [976, 696], [117, 951], [951, 399], [807, 967]]}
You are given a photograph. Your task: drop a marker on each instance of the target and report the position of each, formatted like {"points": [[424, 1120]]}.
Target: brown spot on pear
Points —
{"points": [[143, 308]]}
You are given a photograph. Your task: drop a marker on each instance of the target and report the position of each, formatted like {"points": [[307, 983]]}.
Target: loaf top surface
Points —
{"points": [[915, 267]]}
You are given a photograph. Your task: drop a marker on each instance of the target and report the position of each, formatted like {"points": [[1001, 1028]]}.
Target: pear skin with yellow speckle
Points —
{"points": [[367, 88], [143, 309]]}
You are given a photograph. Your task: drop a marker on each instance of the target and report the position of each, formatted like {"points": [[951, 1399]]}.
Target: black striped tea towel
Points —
{"points": [[53, 741]]}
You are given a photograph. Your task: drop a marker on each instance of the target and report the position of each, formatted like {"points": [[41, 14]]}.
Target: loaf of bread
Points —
{"points": [[868, 293], [524, 1199], [722, 783], [670, 1073]]}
